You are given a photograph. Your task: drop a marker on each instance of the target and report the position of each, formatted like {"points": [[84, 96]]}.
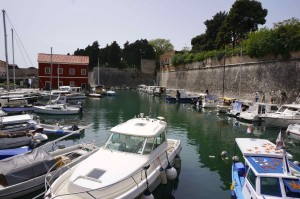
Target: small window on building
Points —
{"points": [[83, 71], [72, 71], [47, 70], [83, 86], [47, 85], [61, 83], [60, 71], [72, 83]]}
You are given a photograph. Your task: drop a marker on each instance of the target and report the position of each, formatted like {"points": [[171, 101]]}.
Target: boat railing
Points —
{"points": [[127, 183]]}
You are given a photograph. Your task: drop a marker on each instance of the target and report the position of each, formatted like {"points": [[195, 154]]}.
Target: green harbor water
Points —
{"points": [[203, 133]]}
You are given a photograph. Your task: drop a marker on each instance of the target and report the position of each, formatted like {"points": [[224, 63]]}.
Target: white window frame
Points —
{"points": [[83, 71], [60, 71], [47, 70], [72, 71], [72, 83]]}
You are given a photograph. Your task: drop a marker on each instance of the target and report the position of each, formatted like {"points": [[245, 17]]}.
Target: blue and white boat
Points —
{"points": [[266, 173]]}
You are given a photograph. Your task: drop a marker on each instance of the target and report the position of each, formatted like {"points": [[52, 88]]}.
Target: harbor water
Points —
{"points": [[204, 134]]}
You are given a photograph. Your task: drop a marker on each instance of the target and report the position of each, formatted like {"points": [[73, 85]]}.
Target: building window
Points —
{"points": [[60, 71], [83, 86], [72, 71], [72, 83], [47, 85], [61, 83], [47, 70], [83, 71]]}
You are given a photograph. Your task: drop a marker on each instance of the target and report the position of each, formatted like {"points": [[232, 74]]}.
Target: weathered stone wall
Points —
{"points": [[119, 77], [258, 76]]}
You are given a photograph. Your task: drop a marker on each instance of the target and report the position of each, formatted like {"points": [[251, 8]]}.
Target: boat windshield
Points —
{"points": [[125, 143], [134, 144]]}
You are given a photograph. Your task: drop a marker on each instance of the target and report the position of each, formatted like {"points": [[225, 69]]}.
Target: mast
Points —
{"points": [[98, 70], [240, 82], [58, 76], [6, 56], [13, 55], [51, 74]]}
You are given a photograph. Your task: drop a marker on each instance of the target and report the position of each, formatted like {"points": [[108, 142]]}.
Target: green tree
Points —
{"points": [[114, 55], [243, 17], [161, 46]]}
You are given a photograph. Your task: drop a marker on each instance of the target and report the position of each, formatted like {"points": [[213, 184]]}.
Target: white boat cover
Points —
{"points": [[259, 147], [23, 167], [15, 119]]}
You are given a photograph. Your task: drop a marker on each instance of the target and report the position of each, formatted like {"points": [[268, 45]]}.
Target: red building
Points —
{"points": [[67, 70]]}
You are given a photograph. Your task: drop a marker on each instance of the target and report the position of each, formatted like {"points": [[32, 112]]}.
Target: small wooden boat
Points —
{"points": [[20, 138], [61, 130]]}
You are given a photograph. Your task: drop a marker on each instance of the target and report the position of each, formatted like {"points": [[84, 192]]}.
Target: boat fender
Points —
{"points": [[34, 143], [74, 128], [177, 163], [224, 155], [232, 194], [171, 172], [235, 158], [162, 175], [297, 163], [147, 195]]}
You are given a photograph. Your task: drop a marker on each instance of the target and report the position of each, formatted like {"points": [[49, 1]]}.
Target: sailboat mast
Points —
{"points": [[98, 71], [13, 55], [6, 55], [51, 74]]}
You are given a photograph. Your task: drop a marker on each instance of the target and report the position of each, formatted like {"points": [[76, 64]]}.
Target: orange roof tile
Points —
{"points": [[66, 59]]}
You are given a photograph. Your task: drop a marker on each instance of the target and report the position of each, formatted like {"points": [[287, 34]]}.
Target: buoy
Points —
{"points": [[224, 154], [171, 172], [297, 163], [235, 158], [147, 195], [177, 163], [162, 175]]}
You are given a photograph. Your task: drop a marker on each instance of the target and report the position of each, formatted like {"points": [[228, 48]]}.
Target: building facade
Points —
{"points": [[62, 70]]}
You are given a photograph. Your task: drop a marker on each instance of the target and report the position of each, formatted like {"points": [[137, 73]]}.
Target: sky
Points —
{"points": [[66, 25]]}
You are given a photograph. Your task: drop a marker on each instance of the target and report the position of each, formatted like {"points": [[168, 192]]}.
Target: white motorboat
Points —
{"points": [[286, 115], [57, 109], [257, 110], [238, 107], [210, 101], [266, 172], [130, 160], [25, 173], [293, 131]]}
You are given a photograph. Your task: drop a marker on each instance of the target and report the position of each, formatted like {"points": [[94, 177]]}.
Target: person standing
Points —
{"points": [[256, 97]]}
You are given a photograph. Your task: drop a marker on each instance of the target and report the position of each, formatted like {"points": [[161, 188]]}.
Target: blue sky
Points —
{"points": [[67, 25]]}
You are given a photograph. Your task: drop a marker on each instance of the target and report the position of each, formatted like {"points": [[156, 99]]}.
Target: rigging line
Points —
{"points": [[19, 39], [21, 52]]}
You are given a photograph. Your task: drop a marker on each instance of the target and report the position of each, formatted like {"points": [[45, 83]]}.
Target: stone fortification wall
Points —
{"points": [[253, 76], [119, 77]]}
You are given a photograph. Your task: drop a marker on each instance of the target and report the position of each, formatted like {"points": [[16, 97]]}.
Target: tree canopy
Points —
{"points": [[161, 46]]}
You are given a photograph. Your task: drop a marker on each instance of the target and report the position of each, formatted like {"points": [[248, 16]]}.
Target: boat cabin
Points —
{"points": [[289, 109], [138, 135], [267, 172]]}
